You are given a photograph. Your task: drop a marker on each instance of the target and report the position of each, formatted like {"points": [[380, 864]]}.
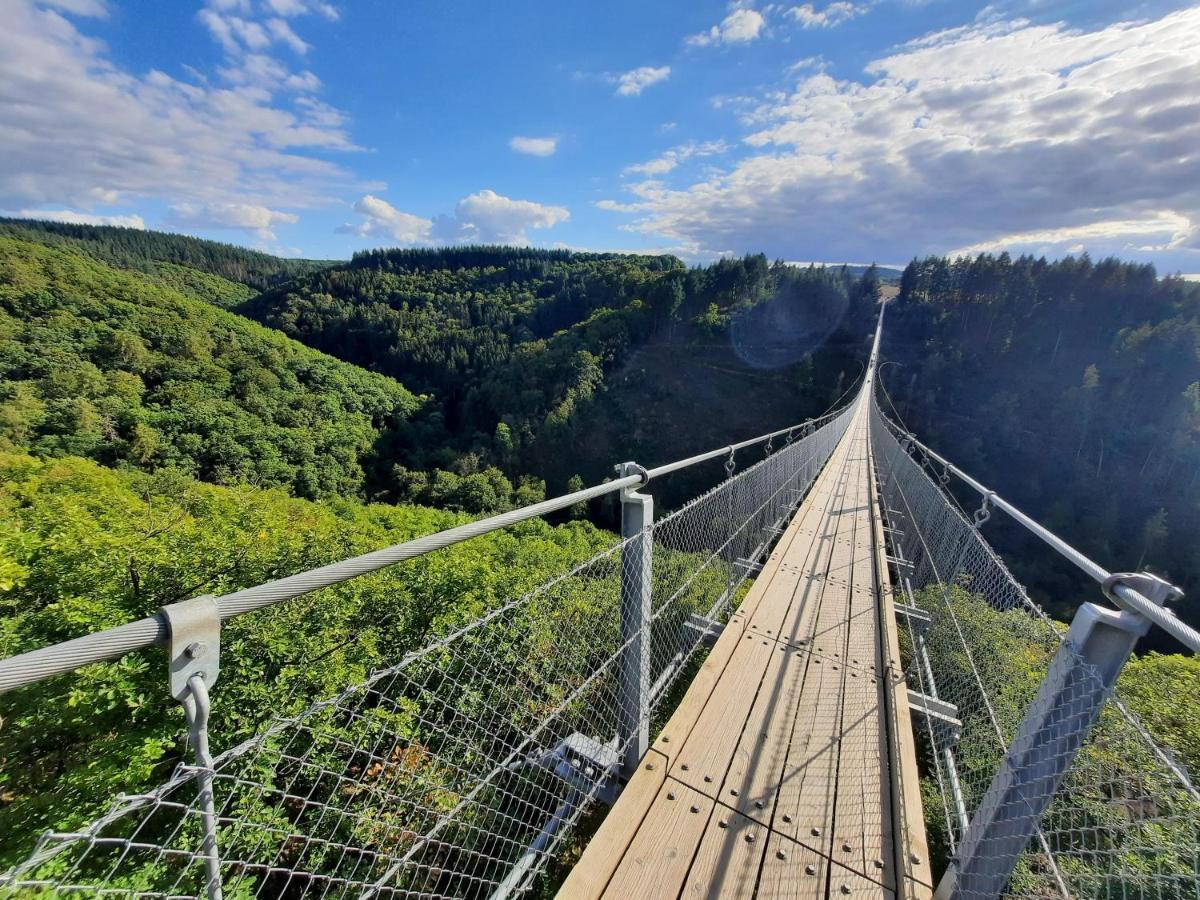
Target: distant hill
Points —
{"points": [[156, 252], [117, 366], [1072, 387], [537, 363], [526, 350]]}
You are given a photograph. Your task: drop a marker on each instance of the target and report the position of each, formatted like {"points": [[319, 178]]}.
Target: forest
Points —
{"points": [[1073, 389], [155, 252], [180, 417], [495, 369], [536, 357], [113, 366]]}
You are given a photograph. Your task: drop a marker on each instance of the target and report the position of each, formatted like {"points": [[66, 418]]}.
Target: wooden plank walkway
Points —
{"points": [[789, 768]]}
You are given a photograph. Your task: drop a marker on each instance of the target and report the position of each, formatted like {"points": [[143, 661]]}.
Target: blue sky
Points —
{"points": [[843, 131]]}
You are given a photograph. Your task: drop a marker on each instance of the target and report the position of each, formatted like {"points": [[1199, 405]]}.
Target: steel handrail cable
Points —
{"points": [[57, 659]]}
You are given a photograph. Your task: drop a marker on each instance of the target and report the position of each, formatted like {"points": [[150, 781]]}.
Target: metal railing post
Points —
{"points": [[1056, 724], [637, 515], [194, 658]]}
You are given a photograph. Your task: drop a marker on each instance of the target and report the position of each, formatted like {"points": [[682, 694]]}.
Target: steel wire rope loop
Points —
{"points": [[985, 510]]}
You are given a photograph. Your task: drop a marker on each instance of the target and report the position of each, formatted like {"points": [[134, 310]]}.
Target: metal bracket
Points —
{"points": [[936, 710], [194, 645], [1153, 588], [899, 563], [748, 565], [586, 764], [194, 652], [916, 616], [708, 629]]}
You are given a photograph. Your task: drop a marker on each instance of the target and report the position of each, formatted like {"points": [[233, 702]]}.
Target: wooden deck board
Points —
{"points": [[729, 857], [659, 857], [788, 770]]}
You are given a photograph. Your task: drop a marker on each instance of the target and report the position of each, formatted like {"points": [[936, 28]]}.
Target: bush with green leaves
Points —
{"points": [[83, 548]]}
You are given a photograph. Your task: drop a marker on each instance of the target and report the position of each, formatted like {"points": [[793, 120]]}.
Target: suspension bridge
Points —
{"points": [[815, 680]]}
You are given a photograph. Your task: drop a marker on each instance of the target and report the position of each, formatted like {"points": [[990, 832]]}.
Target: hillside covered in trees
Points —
{"points": [[534, 365], [1073, 389], [477, 378], [156, 252], [117, 367], [557, 364]]}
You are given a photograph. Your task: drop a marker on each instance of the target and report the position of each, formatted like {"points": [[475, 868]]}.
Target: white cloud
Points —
{"points": [[830, 16], [671, 159], [290, 8], [1166, 230], [233, 32], [481, 218], [96, 9], [488, 218], [241, 35], [243, 216], [101, 135], [616, 206], [534, 146], [282, 32], [633, 82], [268, 73], [739, 27], [381, 219], [78, 218], [807, 62], [996, 133]]}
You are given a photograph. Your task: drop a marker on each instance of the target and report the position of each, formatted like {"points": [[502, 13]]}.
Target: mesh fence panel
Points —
{"points": [[460, 770], [1125, 820]]}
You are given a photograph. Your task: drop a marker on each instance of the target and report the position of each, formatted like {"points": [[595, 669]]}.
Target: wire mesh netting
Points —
{"points": [[460, 770], [1125, 819]]}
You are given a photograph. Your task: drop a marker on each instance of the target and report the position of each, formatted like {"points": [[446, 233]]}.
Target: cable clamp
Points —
{"points": [[631, 468], [194, 645], [1153, 588], [730, 463]]}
